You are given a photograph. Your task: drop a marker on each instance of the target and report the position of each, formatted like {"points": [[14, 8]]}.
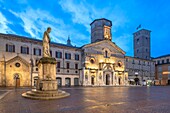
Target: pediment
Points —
{"points": [[99, 46], [17, 58]]}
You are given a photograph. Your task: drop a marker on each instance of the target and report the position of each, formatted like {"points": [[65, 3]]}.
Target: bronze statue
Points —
{"points": [[46, 43]]}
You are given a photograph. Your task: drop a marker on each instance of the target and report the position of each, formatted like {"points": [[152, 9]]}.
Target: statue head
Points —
{"points": [[49, 29]]}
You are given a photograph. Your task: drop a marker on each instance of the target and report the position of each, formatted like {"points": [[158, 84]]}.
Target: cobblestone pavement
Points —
{"points": [[154, 99]]}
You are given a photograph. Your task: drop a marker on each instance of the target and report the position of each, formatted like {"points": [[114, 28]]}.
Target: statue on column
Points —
{"points": [[46, 43]]}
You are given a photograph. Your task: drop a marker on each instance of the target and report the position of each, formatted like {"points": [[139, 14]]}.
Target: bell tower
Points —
{"points": [[101, 30]]}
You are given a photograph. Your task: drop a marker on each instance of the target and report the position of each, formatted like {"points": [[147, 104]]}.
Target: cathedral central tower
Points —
{"points": [[101, 30]]}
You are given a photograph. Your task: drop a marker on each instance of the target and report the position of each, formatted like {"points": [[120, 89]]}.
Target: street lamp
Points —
{"points": [[31, 68]]}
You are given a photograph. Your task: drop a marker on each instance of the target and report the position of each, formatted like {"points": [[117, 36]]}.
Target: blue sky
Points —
{"points": [[73, 17]]}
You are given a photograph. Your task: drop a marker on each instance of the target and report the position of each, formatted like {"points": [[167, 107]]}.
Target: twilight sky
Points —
{"points": [[73, 17]]}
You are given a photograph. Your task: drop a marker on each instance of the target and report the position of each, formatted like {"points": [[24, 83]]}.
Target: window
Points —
{"points": [[58, 64], [148, 63], [159, 69], [137, 50], [36, 62], [58, 54], [24, 50], [37, 51], [139, 62], [10, 48], [67, 55], [158, 62], [76, 57], [167, 60], [137, 41], [51, 53], [133, 62], [146, 50], [68, 65], [168, 68], [76, 66], [162, 61], [126, 59], [106, 54]]}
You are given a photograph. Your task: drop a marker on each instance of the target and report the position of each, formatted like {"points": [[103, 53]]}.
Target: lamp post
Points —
{"points": [[31, 69]]}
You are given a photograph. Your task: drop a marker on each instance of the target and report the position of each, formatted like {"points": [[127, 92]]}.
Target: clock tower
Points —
{"points": [[101, 30]]}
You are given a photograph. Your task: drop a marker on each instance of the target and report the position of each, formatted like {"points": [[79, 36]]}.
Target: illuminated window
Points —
{"points": [[10, 48]]}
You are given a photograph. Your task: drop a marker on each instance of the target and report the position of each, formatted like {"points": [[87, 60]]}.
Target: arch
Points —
{"points": [[17, 78], [59, 81], [120, 80], [107, 79], [76, 81], [67, 82], [92, 79]]}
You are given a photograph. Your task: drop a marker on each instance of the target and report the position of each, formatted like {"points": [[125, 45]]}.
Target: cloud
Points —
{"points": [[123, 42], [4, 25]]}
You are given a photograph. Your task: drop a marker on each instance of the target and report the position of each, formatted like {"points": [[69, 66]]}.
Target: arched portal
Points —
{"points": [[120, 80], [92, 80], [67, 82], [59, 81], [76, 81], [17, 80], [107, 79]]}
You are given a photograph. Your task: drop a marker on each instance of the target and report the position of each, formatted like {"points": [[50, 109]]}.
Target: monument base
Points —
{"points": [[45, 95], [47, 85], [46, 88]]}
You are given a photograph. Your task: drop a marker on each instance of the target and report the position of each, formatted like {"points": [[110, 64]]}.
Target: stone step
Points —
{"points": [[45, 98], [44, 94]]}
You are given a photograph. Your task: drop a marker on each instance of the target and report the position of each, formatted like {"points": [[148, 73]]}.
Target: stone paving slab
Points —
{"points": [[93, 100]]}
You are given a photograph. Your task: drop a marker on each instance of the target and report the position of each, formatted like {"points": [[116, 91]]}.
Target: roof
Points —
{"points": [[33, 39], [142, 30], [101, 19], [167, 55]]}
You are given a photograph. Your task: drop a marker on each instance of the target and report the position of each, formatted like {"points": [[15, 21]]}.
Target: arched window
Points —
{"points": [[106, 54], [10, 47]]}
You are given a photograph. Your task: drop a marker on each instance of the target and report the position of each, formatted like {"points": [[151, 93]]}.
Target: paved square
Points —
{"points": [[93, 100]]}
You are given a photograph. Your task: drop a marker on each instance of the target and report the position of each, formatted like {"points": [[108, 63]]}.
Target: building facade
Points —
{"points": [[98, 63], [141, 69], [162, 70]]}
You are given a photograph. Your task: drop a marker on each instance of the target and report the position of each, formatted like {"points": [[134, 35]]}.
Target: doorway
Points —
{"points": [[59, 81], [119, 80], [67, 82], [17, 80], [107, 79], [76, 82], [92, 80]]}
